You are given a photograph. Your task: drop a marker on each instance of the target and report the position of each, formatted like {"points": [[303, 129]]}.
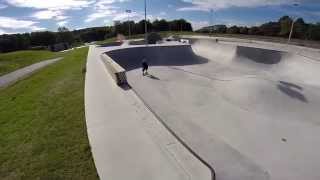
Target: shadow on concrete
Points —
{"points": [[291, 85], [292, 90], [152, 77], [125, 87], [131, 58], [264, 56]]}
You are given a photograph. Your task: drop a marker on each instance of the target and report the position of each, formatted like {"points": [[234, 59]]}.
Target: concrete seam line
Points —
{"points": [[212, 171]]}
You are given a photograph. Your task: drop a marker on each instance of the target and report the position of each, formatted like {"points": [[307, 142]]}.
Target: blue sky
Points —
{"points": [[18, 16]]}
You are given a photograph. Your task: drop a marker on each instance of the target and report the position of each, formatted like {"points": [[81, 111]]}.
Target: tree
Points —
{"points": [[45, 38], [233, 30], [285, 25], [65, 36], [300, 29], [180, 25], [243, 30], [270, 29], [254, 31], [313, 32], [160, 25]]}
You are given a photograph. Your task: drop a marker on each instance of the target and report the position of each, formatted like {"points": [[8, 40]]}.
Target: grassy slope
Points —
{"points": [[15, 60], [42, 124]]}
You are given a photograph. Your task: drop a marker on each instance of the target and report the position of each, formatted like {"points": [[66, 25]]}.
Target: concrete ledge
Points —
{"points": [[117, 73]]}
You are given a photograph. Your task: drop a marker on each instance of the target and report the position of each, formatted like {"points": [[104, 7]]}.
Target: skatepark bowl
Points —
{"points": [[250, 113]]}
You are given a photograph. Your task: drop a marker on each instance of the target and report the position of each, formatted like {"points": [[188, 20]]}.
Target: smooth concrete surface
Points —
{"points": [[127, 140], [311, 53], [19, 74], [250, 113]]}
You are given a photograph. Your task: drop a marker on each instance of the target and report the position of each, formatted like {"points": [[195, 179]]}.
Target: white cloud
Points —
{"points": [[134, 16], [12, 23], [207, 5], [49, 14], [51, 4], [62, 23], [100, 14], [2, 6], [36, 28], [105, 8], [2, 31]]}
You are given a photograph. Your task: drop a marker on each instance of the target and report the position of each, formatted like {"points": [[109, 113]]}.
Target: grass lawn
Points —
{"points": [[42, 124], [16, 60]]}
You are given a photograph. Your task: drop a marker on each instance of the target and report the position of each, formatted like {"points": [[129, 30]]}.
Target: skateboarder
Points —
{"points": [[144, 67]]}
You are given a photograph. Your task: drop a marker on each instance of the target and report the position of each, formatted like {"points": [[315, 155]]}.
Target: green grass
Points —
{"points": [[16, 60], [42, 124]]}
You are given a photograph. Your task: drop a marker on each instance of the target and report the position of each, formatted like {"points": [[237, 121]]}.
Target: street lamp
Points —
{"points": [[292, 24], [129, 11], [211, 20], [145, 22]]}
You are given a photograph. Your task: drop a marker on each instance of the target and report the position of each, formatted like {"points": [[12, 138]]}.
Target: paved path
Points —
{"points": [[127, 140], [15, 76]]}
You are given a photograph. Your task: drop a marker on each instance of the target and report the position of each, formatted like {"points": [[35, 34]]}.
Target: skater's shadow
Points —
{"points": [[292, 90], [152, 77], [125, 86]]}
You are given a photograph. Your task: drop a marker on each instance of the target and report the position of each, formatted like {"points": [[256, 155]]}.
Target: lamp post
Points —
{"points": [[292, 24], [211, 20], [145, 22], [129, 11]]}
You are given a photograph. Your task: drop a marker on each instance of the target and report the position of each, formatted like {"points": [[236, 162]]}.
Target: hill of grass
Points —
{"points": [[19, 59], [42, 124]]}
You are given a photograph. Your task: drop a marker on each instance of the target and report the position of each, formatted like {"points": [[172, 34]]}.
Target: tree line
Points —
{"points": [[281, 28], [41, 40]]}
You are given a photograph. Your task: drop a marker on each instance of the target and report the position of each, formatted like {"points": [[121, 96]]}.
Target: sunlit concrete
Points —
{"points": [[250, 113], [127, 140]]}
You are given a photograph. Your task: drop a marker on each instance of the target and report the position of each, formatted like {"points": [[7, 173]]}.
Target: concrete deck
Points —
{"points": [[19, 74], [250, 113], [127, 140]]}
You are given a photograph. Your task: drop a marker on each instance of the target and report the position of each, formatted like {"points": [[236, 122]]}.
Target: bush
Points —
{"points": [[153, 38]]}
